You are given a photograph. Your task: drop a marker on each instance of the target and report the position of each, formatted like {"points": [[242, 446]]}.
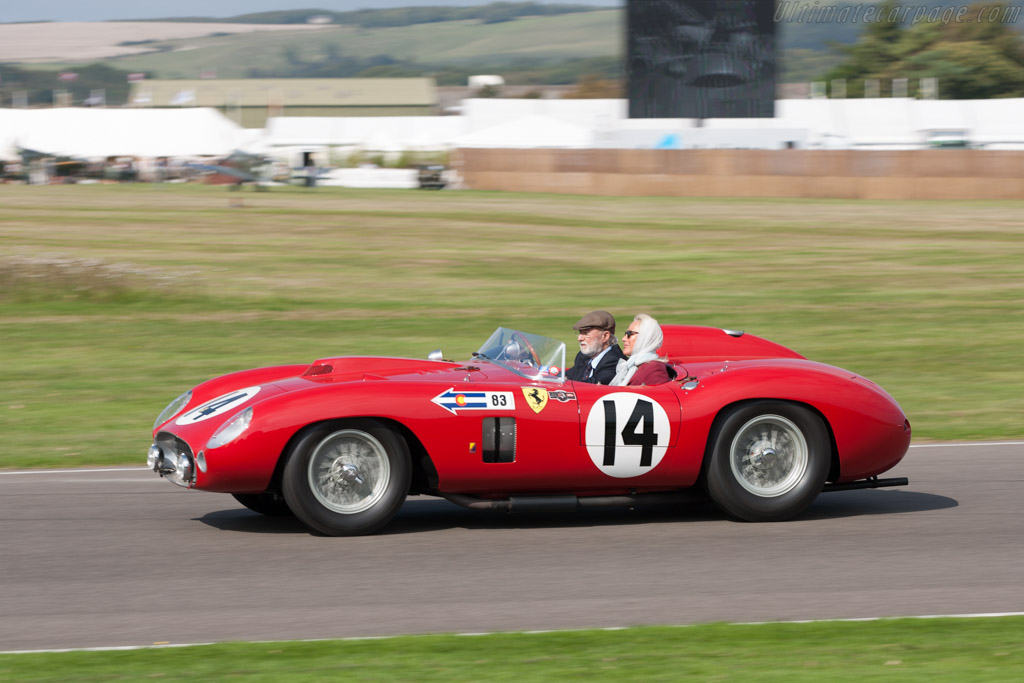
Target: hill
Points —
{"points": [[556, 49], [526, 43]]}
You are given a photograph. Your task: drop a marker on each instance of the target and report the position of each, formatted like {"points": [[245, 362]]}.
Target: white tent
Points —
{"points": [[96, 133], [883, 123], [378, 133], [532, 131], [483, 112], [999, 123], [13, 124]]}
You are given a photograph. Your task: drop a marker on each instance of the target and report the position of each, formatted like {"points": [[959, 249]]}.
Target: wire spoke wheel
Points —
{"points": [[768, 460], [769, 455], [349, 471], [347, 477]]}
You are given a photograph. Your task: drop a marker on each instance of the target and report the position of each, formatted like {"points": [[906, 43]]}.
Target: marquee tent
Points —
{"points": [[531, 131], [373, 133], [97, 133], [12, 124]]}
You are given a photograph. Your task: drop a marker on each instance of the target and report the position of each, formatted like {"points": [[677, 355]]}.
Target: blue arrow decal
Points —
{"points": [[453, 401]]}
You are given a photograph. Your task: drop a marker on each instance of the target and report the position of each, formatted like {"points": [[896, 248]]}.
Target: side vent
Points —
{"points": [[499, 439]]}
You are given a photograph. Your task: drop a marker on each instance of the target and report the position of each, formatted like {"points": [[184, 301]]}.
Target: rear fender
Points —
{"points": [[866, 426], [724, 411]]}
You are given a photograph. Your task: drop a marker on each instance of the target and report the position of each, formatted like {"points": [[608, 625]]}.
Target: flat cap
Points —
{"points": [[602, 320]]}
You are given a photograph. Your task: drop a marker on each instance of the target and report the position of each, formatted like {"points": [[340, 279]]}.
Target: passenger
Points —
{"points": [[642, 364], [599, 350]]}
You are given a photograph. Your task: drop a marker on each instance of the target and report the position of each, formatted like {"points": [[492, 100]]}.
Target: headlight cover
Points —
{"points": [[230, 430], [173, 408]]}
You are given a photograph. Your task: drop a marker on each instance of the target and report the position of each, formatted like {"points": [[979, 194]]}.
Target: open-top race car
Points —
{"points": [[341, 442]]}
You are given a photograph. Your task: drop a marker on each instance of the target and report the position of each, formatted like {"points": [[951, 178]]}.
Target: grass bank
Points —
{"points": [[114, 299], [977, 650]]}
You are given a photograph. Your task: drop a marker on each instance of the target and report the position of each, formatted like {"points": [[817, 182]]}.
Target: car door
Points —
{"points": [[502, 437], [628, 434]]}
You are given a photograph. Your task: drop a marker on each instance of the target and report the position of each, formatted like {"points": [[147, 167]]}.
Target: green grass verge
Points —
{"points": [[114, 299], [982, 649]]}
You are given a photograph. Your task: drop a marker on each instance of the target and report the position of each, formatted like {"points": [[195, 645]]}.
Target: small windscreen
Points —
{"points": [[529, 355]]}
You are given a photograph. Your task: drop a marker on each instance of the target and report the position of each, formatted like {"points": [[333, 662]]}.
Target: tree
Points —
{"points": [[39, 85], [968, 70], [979, 56], [592, 86], [489, 90]]}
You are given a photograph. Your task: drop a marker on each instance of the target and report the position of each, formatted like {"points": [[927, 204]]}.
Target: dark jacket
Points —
{"points": [[605, 369]]}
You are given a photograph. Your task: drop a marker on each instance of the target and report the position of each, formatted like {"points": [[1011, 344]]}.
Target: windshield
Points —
{"points": [[529, 355]]}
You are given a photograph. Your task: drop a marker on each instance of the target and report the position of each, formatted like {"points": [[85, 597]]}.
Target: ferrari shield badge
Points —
{"points": [[536, 398]]}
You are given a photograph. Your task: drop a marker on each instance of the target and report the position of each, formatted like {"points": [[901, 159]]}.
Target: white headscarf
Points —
{"points": [[648, 341]]}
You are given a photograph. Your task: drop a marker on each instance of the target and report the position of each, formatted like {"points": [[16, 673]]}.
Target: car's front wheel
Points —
{"points": [[347, 478], [769, 461]]}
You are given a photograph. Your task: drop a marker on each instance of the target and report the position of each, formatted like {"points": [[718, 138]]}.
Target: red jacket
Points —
{"points": [[652, 372]]}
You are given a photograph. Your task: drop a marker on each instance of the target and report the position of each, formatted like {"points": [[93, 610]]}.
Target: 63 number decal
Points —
{"points": [[627, 434]]}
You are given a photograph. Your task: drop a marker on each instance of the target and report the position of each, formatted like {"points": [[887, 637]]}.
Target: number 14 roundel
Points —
{"points": [[627, 434]]}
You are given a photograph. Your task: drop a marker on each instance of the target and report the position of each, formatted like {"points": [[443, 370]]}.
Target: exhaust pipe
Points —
{"points": [[561, 503], [869, 483]]}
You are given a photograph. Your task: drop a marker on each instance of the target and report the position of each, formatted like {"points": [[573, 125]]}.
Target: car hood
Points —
{"points": [[217, 400], [356, 368]]}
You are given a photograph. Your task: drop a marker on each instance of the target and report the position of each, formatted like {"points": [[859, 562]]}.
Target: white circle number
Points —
{"points": [[218, 406], [627, 434]]}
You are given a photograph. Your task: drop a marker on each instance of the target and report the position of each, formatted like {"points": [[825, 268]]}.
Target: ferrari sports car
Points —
{"points": [[341, 442]]}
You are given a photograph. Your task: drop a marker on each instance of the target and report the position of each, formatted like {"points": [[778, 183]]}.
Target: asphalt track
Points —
{"points": [[94, 558]]}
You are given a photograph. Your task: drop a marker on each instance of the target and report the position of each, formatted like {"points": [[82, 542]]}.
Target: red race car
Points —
{"points": [[340, 443]]}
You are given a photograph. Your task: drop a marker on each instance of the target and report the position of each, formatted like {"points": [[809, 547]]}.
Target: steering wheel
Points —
{"points": [[517, 347]]}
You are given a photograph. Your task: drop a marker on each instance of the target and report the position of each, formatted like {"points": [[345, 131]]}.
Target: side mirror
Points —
{"points": [[435, 355]]}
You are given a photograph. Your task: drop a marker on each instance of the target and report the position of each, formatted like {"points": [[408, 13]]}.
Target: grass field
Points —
{"points": [[975, 650], [89, 41], [590, 34], [115, 299]]}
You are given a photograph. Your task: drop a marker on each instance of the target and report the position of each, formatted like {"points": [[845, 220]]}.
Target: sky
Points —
{"points": [[108, 10]]}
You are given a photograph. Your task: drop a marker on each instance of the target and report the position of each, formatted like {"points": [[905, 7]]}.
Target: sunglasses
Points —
{"points": [[630, 333]]}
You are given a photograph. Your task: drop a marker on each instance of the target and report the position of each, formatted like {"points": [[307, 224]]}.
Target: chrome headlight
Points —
{"points": [[153, 457], [230, 430], [183, 469], [173, 408]]}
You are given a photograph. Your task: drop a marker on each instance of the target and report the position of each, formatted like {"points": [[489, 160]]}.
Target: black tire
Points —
{"points": [[347, 478], [269, 503], [769, 461]]}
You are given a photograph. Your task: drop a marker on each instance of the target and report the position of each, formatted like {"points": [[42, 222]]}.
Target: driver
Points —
{"points": [[599, 351]]}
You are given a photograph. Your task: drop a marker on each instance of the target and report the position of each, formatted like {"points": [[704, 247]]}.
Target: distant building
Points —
{"points": [[484, 80], [251, 101]]}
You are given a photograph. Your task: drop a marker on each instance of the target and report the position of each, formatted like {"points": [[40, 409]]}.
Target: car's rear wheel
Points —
{"points": [[268, 503], [348, 477], [769, 461]]}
